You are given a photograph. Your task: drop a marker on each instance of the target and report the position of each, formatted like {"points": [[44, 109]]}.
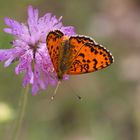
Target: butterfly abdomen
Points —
{"points": [[64, 58]]}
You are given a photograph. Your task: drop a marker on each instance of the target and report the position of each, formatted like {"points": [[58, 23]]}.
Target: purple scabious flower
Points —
{"points": [[29, 48]]}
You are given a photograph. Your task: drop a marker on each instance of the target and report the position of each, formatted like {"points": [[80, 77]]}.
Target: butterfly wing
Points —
{"points": [[88, 57], [54, 43], [75, 45]]}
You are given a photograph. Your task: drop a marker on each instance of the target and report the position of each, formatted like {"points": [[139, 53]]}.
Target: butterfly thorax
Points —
{"points": [[64, 59]]}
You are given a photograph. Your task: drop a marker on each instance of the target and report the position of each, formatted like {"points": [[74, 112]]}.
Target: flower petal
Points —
{"points": [[6, 54], [9, 61], [68, 30]]}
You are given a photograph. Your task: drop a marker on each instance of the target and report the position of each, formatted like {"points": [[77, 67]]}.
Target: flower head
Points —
{"points": [[29, 48]]}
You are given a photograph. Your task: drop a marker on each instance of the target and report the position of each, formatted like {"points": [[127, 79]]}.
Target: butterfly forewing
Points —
{"points": [[88, 56], [54, 43], [75, 45]]}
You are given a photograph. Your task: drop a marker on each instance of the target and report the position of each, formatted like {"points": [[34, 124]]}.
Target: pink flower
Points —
{"points": [[29, 48]]}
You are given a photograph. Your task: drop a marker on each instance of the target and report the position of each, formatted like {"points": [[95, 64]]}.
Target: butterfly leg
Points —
{"points": [[55, 91]]}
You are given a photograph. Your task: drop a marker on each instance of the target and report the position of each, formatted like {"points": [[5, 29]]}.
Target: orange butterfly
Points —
{"points": [[76, 54]]}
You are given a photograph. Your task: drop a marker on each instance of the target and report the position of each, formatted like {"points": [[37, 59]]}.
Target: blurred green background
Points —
{"points": [[110, 105]]}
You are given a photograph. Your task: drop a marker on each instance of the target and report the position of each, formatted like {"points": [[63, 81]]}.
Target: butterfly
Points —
{"points": [[76, 54]]}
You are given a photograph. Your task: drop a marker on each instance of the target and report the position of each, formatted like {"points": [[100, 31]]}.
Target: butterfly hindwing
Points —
{"points": [[75, 45], [54, 43], [89, 56]]}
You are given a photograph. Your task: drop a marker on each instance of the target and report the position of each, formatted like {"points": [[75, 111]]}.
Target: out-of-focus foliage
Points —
{"points": [[109, 109]]}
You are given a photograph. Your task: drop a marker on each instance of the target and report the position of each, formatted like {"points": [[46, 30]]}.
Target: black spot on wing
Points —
{"points": [[101, 53], [107, 64], [96, 52], [106, 54], [88, 61], [54, 34], [82, 55], [75, 64], [86, 67], [84, 60], [95, 63]]}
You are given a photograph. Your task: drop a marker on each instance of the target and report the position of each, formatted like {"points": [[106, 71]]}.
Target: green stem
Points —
{"points": [[21, 112]]}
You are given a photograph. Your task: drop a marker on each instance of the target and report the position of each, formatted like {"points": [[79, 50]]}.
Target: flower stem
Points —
{"points": [[21, 112]]}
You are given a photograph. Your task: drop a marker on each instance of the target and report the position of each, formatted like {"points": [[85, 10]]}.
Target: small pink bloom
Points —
{"points": [[29, 48]]}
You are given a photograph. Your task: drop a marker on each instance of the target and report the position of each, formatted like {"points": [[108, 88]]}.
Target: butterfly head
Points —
{"points": [[65, 38]]}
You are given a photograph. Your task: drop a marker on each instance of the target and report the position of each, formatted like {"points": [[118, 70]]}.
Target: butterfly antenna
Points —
{"points": [[77, 96], [55, 91]]}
